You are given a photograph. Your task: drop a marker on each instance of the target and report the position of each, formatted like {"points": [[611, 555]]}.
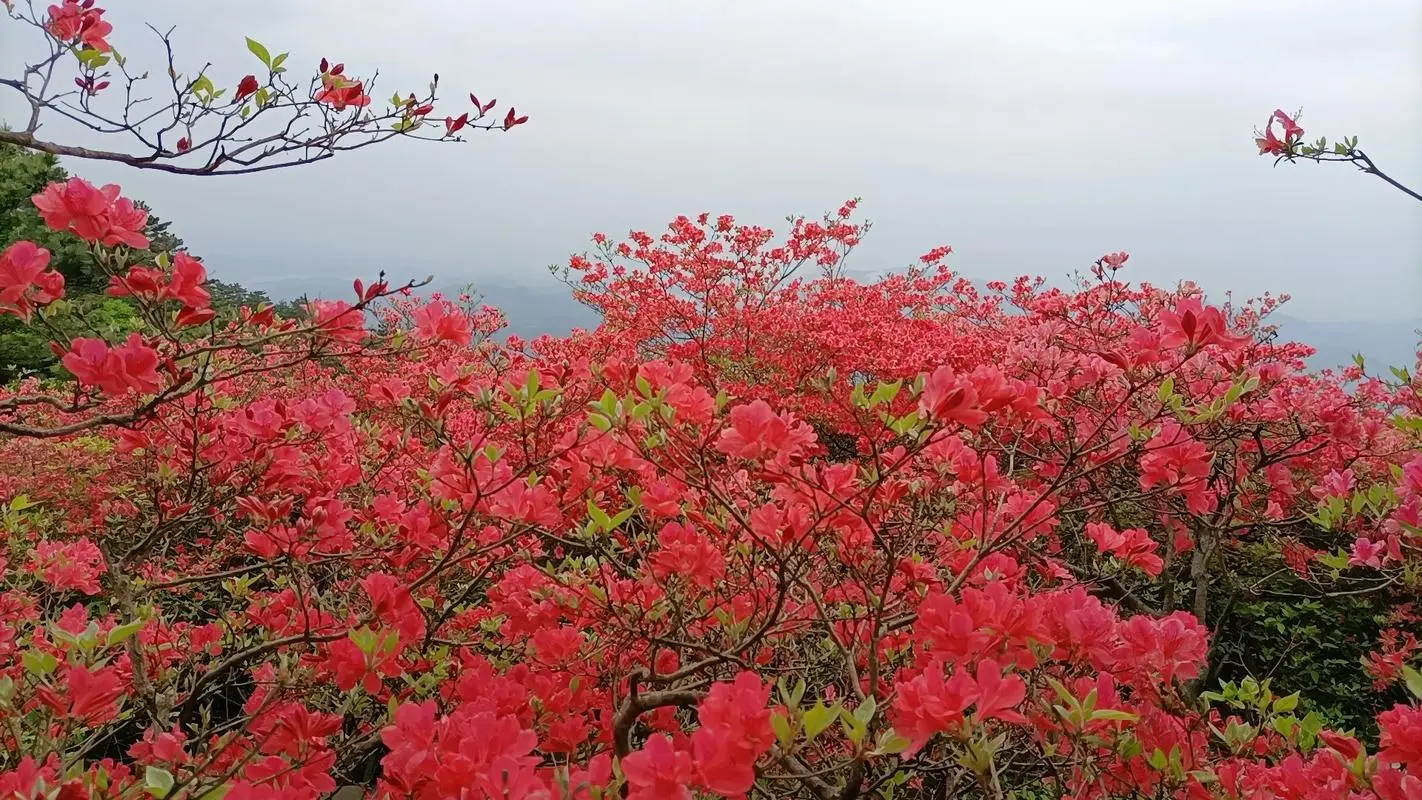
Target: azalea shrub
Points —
{"points": [[766, 531]]}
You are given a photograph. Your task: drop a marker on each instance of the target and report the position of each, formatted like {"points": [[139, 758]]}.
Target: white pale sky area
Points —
{"points": [[1031, 135]]}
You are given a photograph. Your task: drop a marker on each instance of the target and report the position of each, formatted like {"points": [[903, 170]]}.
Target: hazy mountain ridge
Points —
{"points": [[547, 306], [1382, 343]]}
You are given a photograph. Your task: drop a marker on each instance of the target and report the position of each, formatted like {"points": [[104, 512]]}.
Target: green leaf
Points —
{"points": [[781, 726], [885, 393], [121, 633], [39, 663], [819, 718], [1414, 681], [1167, 390], [1287, 703], [1286, 726], [892, 743], [92, 59], [259, 51], [599, 516], [600, 422], [158, 781], [621, 517], [866, 709]]}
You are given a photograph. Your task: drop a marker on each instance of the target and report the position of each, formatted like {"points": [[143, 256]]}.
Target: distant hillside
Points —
{"points": [[1381, 343]]}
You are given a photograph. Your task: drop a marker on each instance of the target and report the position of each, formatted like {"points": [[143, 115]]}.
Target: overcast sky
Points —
{"points": [[1032, 135]]}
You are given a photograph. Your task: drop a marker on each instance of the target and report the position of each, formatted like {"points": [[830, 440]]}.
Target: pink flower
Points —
{"points": [[683, 551], [71, 565], [999, 696], [930, 704], [186, 284], [1193, 325], [441, 321], [1115, 261], [1335, 484], [735, 731], [74, 21], [1174, 457], [756, 431], [25, 281], [341, 93], [948, 398], [1367, 553], [132, 365], [89, 695], [339, 320], [1132, 546], [394, 607], [1401, 739], [658, 771], [94, 215], [1157, 651], [1272, 144]]}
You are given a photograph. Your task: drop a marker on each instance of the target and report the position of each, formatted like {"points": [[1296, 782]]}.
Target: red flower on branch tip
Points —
{"points": [[1270, 143], [340, 93], [482, 108], [79, 23], [246, 88], [452, 125], [512, 119]]}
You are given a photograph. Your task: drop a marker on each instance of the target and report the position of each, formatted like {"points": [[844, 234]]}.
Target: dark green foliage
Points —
{"points": [[86, 309], [24, 174], [1314, 646]]}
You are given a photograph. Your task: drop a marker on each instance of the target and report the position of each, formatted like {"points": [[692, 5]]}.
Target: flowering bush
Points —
{"points": [[286, 555], [759, 533]]}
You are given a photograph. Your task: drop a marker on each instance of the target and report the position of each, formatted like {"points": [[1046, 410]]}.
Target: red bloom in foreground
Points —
{"points": [[683, 551], [1174, 457], [25, 280], [93, 214], [1402, 736], [473, 752], [735, 731], [931, 704], [1193, 325], [756, 431], [88, 695], [658, 771], [132, 365], [186, 284], [948, 398], [339, 320]]}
